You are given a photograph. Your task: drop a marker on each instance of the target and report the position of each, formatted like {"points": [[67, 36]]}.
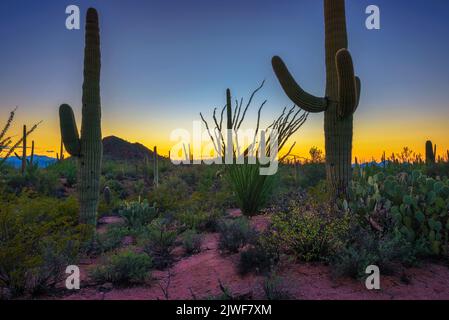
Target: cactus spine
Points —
{"points": [[340, 101], [431, 151], [87, 148]]}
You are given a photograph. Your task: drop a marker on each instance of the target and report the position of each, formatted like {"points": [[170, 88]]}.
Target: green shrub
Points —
{"points": [[312, 231], [112, 238], [123, 268], [40, 181], [261, 257], [191, 241], [250, 187], [170, 194], [159, 240], [137, 213], [273, 290], [234, 234], [65, 169], [310, 174], [203, 220], [364, 248], [39, 238]]}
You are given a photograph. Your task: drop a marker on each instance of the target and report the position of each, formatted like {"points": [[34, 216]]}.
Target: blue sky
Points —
{"points": [[165, 61]]}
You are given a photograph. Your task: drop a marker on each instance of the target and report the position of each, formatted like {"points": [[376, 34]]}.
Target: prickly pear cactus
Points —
{"points": [[87, 147], [340, 101], [417, 204]]}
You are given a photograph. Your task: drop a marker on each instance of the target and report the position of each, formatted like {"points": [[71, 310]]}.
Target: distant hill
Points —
{"points": [[115, 148]]}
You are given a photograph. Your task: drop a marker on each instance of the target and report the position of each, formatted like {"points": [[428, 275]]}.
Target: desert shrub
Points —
{"points": [[39, 238], [65, 169], [364, 248], [191, 241], [190, 177], [123, 268], [115, 186], [112, 238], [272, 287], [137, 214], [310, 174], [261, 257], [203, 220], [40, 181], [170, 193], [234, 234], [252, 189], [312, 231], [409, 203], [159, 240]]}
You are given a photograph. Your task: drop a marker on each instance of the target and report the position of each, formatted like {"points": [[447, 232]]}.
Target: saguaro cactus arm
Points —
{"points": [[69, 130], [348, 85], [301, 98]]}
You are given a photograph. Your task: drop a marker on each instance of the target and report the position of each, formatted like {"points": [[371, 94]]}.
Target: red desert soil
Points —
{"points": [[199, 276]]}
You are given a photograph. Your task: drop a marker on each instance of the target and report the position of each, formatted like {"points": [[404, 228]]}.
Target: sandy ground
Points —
{"points": [[198, 277]]}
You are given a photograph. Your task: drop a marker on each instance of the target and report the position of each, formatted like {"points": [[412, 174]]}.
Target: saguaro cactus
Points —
{"points": [[431, 151], [155, 168], [23, 158], [340, 101], [87, 148]]}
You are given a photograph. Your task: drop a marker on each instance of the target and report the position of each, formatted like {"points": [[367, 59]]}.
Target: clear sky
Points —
{"points": [[164, 61]]}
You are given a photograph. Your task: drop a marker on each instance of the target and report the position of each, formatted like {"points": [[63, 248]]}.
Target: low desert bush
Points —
{"points": [[260, 257], [39, 238], [234, 234], [273, 290], [364, 248], [191, 241], [123, 268], [112, 238], [137, 214], [311, 231], [170, 193], [159, 240]]}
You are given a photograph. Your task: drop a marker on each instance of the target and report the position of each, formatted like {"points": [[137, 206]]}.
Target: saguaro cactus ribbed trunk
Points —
{"points": [[23, 158], [87, 148], [431, 151], [340, 101]]}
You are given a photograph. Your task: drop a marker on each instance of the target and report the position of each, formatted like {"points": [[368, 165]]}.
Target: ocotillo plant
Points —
{"points": [[340, 101], [6, 141], [87, 148], [155, 168], [431, 151], [251, 188]]}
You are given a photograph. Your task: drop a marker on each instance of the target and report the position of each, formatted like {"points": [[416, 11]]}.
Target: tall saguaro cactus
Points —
{"points": [[431, 152], [23, 158], [87, 147], [340, 101]]}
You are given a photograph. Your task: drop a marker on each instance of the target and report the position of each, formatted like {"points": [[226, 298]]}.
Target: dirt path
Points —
{"points": [[198, 276]]}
